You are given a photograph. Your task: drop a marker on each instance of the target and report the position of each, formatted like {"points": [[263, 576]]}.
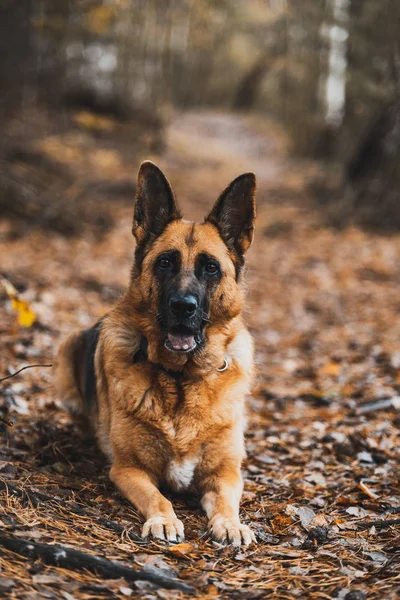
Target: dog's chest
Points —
{"points": [[186, 427], [186, 451], [180, 473]]}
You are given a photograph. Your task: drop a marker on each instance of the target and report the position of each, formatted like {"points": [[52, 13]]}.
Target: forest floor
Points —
{"points": [[322, 486]]}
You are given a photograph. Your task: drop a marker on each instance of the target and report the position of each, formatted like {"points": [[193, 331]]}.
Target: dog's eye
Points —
{"points": [[211, 268], [164, 263]]}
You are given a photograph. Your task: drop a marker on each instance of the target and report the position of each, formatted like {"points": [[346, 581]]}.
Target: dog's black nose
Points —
{"points": [[183, 306]]}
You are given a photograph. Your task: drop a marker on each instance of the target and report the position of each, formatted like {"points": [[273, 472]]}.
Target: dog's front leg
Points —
{"points": [[137, 486], [221, 492]]}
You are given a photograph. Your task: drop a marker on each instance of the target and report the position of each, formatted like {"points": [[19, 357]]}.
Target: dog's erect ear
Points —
{"points": [[235, 211], [155, 204]]}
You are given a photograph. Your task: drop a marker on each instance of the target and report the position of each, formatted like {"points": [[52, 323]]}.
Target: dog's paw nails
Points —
{"points": [[164, 528], [231, 532], [248, 536]]}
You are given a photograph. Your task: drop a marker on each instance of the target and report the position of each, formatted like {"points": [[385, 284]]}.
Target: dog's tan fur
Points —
{"points": [[156, 430]]}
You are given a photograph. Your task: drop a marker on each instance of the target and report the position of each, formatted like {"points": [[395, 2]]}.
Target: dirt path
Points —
{"points": [[323, 307]]}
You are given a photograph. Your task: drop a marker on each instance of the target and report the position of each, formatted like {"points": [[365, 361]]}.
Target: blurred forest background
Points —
{"points": [[327, 71], [305, 94]]}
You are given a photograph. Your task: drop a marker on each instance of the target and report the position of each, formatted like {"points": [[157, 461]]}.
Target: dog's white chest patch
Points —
{"points": [[180, 473]]}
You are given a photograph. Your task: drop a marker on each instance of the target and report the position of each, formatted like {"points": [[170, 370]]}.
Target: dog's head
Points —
{"points": [[187, 274]]}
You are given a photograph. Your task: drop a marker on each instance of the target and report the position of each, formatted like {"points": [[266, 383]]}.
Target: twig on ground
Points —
{"points": [[363, 486], [76, 560], [11, 489], [378, 523], [23, 369], [393, 510], [370, 407]]}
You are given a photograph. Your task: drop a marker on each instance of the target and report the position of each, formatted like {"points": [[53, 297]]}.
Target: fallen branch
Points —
{"points": [[370, 407], [23, 369], [378, 523], [38, 499], [28, 495], [363, 486], [76, 560]]}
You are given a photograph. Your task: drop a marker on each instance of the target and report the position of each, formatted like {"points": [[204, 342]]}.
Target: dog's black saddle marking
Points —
{"points": [[141, 354], [90, 339]]}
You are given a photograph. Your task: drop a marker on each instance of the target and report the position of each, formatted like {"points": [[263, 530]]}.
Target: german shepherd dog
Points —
{"points": [[163, 376]]}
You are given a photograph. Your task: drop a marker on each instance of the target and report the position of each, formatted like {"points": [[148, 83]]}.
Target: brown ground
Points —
{"points": [[322, 306]]}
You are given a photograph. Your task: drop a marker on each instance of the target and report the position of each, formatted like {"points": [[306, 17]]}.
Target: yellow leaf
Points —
{"points": [[26, 316], [93, 122], [99, 19], [331, 368]]}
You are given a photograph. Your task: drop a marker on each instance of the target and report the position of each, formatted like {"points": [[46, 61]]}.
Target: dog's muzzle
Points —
{"points": [[184, 333]]}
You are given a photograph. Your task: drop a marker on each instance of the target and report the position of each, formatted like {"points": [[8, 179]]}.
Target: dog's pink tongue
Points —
{"points": [[181, 342]]}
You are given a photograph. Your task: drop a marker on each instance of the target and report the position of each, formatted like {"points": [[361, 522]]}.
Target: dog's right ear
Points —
{"points": [[155, 204]]}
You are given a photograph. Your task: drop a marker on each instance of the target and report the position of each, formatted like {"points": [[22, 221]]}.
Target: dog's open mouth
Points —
{"points": [[181, 342]]}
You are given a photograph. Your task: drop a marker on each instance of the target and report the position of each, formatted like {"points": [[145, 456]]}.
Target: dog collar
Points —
{"points": [[224, 367]]}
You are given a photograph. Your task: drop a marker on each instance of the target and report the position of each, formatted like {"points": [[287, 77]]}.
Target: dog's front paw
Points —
{"points": [[164, 528], [232, 532]]}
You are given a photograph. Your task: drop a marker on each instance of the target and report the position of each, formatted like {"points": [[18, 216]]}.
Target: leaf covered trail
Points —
{"points": [[323, 308]]}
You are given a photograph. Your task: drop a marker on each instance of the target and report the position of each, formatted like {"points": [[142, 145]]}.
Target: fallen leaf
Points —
{"points": [[297, 570], [6, 584], [181, 549], [331, 368], [319, 521], [353, 573], [356, 511], [281, 523], [19, 405], [306, 515], [365, 457], [316, 478], [26, 316], [378, 557]]}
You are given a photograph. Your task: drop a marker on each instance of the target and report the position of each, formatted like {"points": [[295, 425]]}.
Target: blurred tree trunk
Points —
{"points": [[372, 175], [333, 75], [371, 181], [335, 85], [304, 111], [16, 74], [16, 56], [249, 86]]}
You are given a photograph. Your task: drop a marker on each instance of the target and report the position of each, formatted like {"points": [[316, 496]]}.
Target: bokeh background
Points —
{"points": [[113, 74], [304, 93]]}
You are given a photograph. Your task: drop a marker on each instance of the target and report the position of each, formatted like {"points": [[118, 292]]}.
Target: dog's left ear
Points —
{"points": [[155, 204], [234, 213]]}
